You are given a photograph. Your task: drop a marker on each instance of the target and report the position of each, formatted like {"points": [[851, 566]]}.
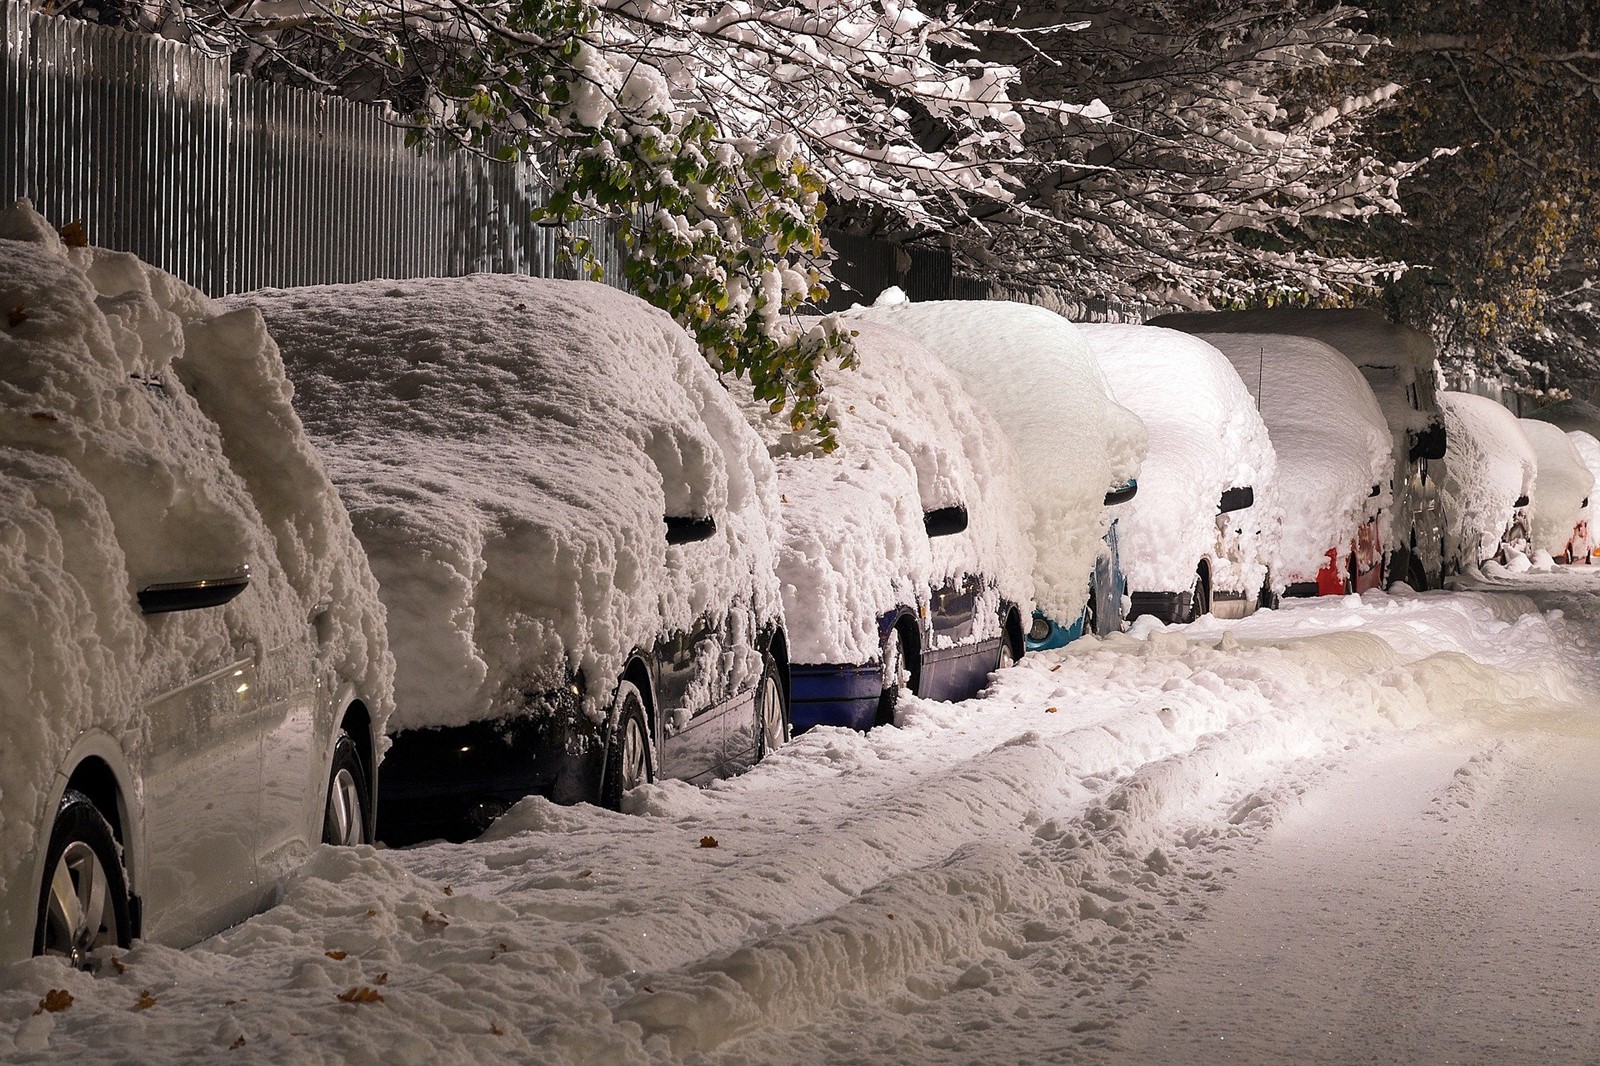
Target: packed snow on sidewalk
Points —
{"points": [[991, 878]]}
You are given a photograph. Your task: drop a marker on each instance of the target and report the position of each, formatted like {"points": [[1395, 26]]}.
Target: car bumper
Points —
{"points": [[831, 694], [1167, 607]]}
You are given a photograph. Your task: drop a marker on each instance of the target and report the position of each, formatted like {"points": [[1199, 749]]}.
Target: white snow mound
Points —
{"points": [[1589, 451], [508, 447]]}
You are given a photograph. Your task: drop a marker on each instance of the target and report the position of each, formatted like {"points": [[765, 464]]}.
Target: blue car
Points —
{"points": [[901, 555]]}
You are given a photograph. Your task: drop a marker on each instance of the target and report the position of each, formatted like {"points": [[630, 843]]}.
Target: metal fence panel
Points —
{"points": [[233, 184]]}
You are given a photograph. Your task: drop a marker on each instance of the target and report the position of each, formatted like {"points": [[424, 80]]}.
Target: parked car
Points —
{"points": [[1033, 371], [903, 556], [1561, 488], [1196, 540], [195, 663], [1333, 449], [1583, 547], [1581, 420], [1488, 482], [570, 523], [1400, 365]]}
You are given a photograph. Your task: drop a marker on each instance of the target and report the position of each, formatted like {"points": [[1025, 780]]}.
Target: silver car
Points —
{"points": [[195, 658]]}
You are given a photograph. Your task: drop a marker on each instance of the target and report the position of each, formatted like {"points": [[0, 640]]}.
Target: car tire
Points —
{"points": [[630, 762], [83, 902], [773, 728], [345, 818], [895, 676], [1010, 653]]}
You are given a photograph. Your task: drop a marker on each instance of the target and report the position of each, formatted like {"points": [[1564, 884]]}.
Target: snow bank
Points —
{"points": [[1033, 371], [1561, 486], [149, 438], [853, 543], [508, 447], [1489, 465], [1330, 437], [1205, 437]]}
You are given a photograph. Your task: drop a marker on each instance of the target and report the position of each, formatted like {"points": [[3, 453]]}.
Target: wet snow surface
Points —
{"points": [[1350, 830]]}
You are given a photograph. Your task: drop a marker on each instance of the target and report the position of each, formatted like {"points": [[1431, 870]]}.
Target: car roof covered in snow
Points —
{"points": [[508, 447], [1206, 436], [853, 544], [1034, 372]]}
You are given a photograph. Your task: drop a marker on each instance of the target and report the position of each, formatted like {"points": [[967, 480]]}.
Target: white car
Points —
{"points": [[1080, 449], [570, 522], [197, 675], [1334, 460], [1197, 538], [1561, 488], [1488, 484], [903, 555]]}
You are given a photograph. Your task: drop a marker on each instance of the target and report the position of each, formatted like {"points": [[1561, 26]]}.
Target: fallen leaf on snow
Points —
{"points": [[1051, 710], [434, 921], [496, 1030], [118, 965], [382, 978], [708, 842], [54, 1001], [146, 1001], [336, 955], [361, 994], [74, 235], [449, 891], [237, 1044]]}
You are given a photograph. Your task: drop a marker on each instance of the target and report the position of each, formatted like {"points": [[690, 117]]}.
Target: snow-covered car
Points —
{"points": [[1581, 420], [1334, 460], [903, 555], [1561, 488], [1196, 539], [196, 670], [1033, 371], [1488, 482], [1583, 547], [1400, 364], [570, 523]]}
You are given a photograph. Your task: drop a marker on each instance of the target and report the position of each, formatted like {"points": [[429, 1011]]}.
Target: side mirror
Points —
{"points": [[945, 521], [1522, 501], [1429, 444], [1376, 489], [1123, 493], [1236, 499], [686, 529], [192, 595]]}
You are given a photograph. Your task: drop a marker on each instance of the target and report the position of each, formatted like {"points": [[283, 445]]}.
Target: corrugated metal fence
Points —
{"points": [[233, 184]]}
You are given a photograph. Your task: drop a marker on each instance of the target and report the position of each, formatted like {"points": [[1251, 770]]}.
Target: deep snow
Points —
{"points": [[1042, 874]]}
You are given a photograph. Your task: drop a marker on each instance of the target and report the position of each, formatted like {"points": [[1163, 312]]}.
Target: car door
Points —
{"points": [[294, 736], [692, 741]]}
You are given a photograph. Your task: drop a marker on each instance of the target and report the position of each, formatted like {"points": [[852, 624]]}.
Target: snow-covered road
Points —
{"points": [[1345, 831]]}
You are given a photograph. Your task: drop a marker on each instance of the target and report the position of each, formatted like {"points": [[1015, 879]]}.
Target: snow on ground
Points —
{"points": [[1026, 875]]}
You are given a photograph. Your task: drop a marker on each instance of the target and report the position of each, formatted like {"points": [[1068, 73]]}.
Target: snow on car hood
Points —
{"points": [[853, 542], [1560, 486], [1488, 465], [1331, 441], [1033, 371], [1205, 437], [128, 396], [508, 447]]}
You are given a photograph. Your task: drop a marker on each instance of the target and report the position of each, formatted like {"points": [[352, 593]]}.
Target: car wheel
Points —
{"points": [[1010, 654], [895, 676], [772, 711], [629, 762], [83, 903], [344, 818]]}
